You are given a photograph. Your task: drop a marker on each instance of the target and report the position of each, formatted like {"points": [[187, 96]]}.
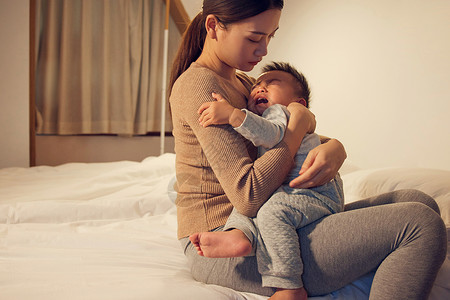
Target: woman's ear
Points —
{"points": [[211, 25]]}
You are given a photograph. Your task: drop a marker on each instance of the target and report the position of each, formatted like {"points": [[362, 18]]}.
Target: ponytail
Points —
{"points": [[190, 48]]}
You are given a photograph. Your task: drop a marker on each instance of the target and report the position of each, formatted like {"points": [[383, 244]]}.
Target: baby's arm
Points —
{"points": [[220, 112], [266, 131]]}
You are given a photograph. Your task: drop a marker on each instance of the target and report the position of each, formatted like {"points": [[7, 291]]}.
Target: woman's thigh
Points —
{"points": [[404, 241], [400, 196]]}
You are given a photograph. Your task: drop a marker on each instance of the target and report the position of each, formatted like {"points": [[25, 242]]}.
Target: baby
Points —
{"points": [[272, 234]]}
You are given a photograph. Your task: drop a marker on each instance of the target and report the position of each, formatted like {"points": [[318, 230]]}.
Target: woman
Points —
{"points": [[217, 170]]}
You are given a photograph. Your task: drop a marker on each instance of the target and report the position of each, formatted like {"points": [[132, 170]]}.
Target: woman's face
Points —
{"points": [[242, 45]]}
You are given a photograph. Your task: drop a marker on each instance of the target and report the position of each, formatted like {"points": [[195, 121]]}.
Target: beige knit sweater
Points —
{"points": [[215, 166]]}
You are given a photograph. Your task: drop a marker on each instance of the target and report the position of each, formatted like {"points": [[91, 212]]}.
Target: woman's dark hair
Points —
{"points": [[227, 12]]}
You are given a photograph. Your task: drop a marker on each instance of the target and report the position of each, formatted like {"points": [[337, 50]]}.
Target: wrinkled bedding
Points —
{"points": [[108, 231]]}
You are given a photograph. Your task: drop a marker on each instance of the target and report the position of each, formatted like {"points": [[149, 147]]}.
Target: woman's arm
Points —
{"points": [[246, 183]]}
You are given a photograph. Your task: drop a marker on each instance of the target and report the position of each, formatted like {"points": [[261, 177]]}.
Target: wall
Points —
{"points": [[378, 69], [379, 72], [14, 78]]}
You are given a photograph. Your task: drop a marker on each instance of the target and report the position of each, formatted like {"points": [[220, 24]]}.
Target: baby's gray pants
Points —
{"points": [[273, 233], [404, 242]]}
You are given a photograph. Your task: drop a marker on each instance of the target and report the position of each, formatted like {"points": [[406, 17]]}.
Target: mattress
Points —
{"points": [[108, 231]]}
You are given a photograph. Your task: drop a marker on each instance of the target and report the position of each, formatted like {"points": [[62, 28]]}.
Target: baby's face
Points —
{"points": [[273, 87]]}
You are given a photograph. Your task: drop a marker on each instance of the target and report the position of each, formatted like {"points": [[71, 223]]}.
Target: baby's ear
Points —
{"points": [[302, 101]]}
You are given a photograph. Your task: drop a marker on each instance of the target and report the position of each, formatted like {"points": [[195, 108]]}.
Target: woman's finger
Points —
{"points": [[308, 162], [314, 172], [307, 179]]}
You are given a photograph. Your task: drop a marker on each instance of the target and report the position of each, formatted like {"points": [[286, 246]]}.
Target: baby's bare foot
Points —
{"points": [[232, 243], [290, 294]]}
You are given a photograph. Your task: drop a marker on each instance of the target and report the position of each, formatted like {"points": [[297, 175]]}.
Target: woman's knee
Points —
{"points": [[413, 195], [429, 227]]}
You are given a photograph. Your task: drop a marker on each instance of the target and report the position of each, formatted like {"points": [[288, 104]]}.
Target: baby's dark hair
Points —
{"points": [[302, 84]]}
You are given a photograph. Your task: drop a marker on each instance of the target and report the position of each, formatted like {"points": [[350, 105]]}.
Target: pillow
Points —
{"points": [[367, 183], [348, 167]]}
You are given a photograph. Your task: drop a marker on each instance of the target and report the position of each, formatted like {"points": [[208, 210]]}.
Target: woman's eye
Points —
{"points": [[253, 41]]}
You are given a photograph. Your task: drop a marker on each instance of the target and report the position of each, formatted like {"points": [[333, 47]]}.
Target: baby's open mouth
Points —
{"points": [[261, 100]]}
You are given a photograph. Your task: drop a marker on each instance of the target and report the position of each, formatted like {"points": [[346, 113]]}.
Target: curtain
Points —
{"points": [[99, 66]]}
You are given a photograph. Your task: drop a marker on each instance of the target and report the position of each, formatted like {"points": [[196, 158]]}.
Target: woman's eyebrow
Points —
{"points": [[258, 32], [263, 33]]}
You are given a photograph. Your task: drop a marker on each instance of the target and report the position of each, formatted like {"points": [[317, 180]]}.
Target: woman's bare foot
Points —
{"points": [[287, 294], [232, 243]]}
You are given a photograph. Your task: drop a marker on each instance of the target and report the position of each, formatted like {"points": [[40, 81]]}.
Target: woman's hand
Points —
{"points": [[321, 165]]}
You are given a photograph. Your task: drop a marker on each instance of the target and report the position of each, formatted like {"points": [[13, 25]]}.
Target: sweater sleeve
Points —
{"points": [[266, 130], [246, 183]]}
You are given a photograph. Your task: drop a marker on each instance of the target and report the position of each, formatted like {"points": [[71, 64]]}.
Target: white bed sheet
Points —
{"points": [[106, 231]]}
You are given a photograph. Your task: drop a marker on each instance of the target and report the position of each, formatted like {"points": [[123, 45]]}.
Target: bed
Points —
{"points": [[108, 231]]}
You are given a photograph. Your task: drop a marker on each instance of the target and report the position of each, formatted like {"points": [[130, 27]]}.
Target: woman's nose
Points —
{"points": [[262, 48]]}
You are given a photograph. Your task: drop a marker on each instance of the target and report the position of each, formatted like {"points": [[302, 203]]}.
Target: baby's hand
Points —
{"points": [[300, 111], [215, 112], [295, 106]]}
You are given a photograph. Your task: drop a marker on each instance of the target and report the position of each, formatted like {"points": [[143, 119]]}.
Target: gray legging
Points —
{"points": [[398, 234]]}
